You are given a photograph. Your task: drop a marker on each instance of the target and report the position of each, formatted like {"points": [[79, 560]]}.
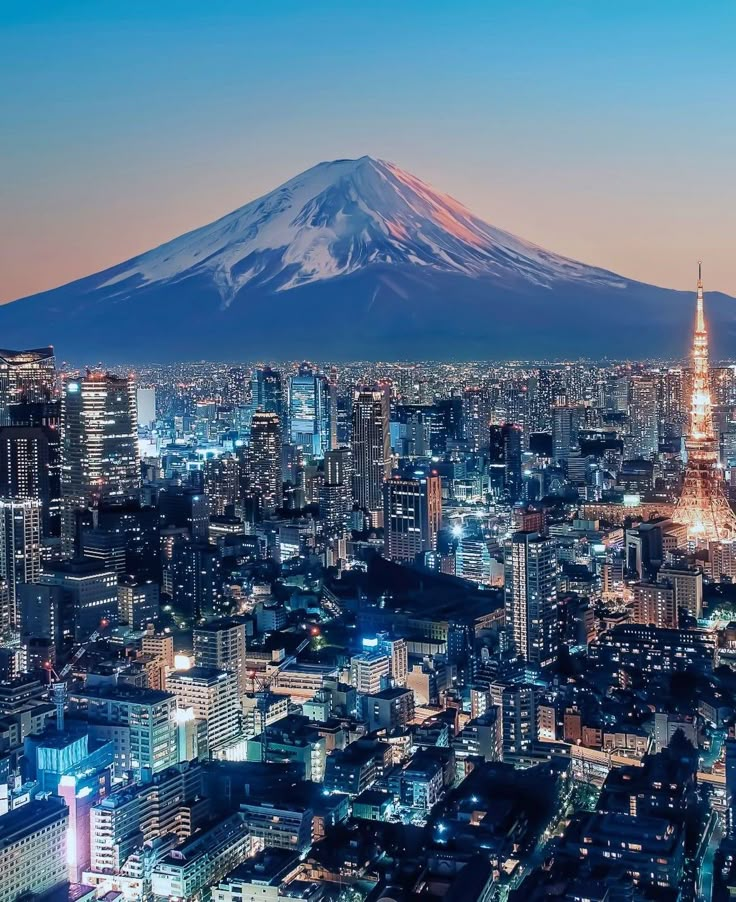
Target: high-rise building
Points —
{"points": [[221, 483], [213, 696], [26, 377], [412, 514], [566, 425], [703, 507], [99, 447], [309, 404], [181, 507], [654, 605], [140, 722], [30, 470], [138, 601], [196, 579], [531, 596], [89, 594], [371, 449], [220, 644], [336, 491], [20, 554], [643, 419], [267, 392], [512, 473], [264, 460], [33, 849], [476, 415]]}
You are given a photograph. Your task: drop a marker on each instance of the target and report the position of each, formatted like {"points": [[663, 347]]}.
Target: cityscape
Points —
{"points": [[367, 452], [377, 631]]}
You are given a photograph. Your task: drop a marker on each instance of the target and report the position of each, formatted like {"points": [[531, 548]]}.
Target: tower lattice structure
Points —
{"points": [[703, 506]]}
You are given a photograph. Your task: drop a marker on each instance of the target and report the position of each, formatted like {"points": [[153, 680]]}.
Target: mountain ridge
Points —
{"points": [[348, 245]]}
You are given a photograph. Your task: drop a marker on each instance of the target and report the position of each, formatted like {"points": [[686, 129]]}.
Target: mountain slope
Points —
{"points": [[354, 258]]}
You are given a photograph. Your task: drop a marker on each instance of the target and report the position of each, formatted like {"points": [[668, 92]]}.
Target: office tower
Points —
{"points": [[20, 554], [196, 579], [33, 850], [214, 697], [221, 483], [30, 470], [643, 420], [566, 425], [99, 447], [89, 594], [136, 526], [140, 722], [476, 416], [336, 492], [702, 506], [181, 507], [221, 645], [309, 426], [512, 474], [138, 601], [26, 377], [264, 461], [530, 569], [371, 449], [237, 387], [267, 392], [412, 514], [39, 612]]}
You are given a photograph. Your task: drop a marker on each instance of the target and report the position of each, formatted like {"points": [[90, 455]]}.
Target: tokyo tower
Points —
{"points": [[703, 507]]}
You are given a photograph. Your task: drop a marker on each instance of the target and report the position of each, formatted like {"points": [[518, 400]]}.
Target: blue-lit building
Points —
{"points": [[309, 412]]}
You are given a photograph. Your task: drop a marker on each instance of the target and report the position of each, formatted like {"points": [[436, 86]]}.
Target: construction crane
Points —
{"points": [[262, 693], [58, 680]]}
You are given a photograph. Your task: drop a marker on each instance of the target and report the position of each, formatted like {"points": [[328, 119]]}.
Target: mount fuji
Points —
{"points": [[356, 259]]}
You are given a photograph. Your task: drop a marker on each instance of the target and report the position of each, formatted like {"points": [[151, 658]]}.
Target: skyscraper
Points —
{"points": [[26, 377], [412, 513], [371, 449], [221, 483], [644, 423], [336, 493], [512, 443], [264, 460], [703, 507], [30, 469], [530, 566], [309, 404], [476, 415], [20, 553], [99, 447], [267, 391]]}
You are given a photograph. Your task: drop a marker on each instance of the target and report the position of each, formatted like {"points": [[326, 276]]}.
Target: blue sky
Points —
{"points": [[603, 129]]}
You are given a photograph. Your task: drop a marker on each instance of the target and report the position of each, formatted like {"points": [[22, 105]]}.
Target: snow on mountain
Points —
{"points": [[340, 217]]}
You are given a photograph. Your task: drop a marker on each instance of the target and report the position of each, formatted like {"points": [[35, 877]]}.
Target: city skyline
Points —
{"points": [[581, 129]]}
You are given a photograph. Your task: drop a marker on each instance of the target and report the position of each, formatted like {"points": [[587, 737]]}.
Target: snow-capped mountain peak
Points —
{"points": [[340, 217]]}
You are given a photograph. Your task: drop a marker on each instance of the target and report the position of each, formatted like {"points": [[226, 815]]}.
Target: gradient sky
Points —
{"points": [[602, 129]]}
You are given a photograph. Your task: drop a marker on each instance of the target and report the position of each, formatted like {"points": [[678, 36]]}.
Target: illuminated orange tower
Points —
{"points": [[703, 507]]}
